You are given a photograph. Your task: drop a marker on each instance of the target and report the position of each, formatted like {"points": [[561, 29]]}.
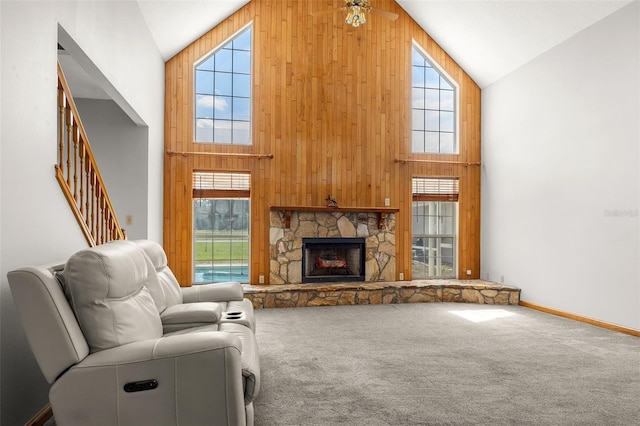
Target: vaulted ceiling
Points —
{"points": [[488, 38]]}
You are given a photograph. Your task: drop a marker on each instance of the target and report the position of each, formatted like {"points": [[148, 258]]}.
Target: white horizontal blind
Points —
{"points": [[435, 189], [221, 181]]}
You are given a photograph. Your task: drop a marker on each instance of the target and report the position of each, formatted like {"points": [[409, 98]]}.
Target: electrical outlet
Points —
{"points": [[387, 202], [401, 276], [261, 279], [468, 271]]}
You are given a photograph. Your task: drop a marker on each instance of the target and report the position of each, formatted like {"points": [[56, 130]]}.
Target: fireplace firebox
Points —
{"points": [[333, 259]]}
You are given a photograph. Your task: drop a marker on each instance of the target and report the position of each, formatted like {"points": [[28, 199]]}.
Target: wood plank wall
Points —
{"points": [[332, 103]]}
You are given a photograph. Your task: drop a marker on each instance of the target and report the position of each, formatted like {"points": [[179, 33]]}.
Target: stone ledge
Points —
{"points": [[370, 293]]}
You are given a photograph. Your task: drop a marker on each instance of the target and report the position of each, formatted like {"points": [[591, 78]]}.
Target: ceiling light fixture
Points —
{"points": [[356, 12]]}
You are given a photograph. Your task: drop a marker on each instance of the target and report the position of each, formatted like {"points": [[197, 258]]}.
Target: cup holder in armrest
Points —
{"points": [[234, 317]]}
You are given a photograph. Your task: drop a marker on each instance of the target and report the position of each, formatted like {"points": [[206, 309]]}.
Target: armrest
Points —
{"points": [[199, 381], [185, 315], [250, 359], [219, 292]]}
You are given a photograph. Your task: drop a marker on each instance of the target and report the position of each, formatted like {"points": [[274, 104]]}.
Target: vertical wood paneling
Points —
{"points": [[332, 104]]}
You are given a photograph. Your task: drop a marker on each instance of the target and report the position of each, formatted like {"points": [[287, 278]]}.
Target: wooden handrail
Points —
{"points": [[78, 175]]}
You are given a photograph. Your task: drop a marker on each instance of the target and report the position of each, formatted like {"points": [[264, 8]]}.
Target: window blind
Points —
{"points": [[435, 189], [218, 184]]}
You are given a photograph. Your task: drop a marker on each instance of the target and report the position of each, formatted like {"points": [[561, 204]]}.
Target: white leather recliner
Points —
{"points": [[105, 352], [229, 296]]}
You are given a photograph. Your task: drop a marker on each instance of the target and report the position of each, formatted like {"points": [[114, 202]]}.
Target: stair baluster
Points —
{"points": [[78, 175]]}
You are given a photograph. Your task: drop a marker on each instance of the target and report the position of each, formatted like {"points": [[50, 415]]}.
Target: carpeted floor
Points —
{"points": [[431, 364]]}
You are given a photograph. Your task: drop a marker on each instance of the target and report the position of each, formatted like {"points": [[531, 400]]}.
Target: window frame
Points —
{"points": [[440, 237], [226, 190], [445, 190], [195, 94], [456, 103]]}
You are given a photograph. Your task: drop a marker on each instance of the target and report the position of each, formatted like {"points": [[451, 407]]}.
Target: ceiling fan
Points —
{"points": [[357, 10]]}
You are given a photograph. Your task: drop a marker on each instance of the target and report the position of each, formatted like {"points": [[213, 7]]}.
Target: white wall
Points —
{"points": [[35, 222], [120, 148], [560, 182], [1, 270]]}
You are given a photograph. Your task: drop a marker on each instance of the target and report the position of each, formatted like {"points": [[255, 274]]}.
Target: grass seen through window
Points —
{"points": [[229, 250]]}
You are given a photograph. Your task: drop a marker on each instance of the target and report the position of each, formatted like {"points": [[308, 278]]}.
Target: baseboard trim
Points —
{"points": [[41, 418], [591, 321]]}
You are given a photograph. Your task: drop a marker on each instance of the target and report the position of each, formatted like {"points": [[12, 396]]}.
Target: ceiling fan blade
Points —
{"points": [[327, 11], [384, 14]]}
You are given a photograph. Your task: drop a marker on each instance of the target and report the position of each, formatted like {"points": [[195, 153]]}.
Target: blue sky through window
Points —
{"points": [[223, 93]]}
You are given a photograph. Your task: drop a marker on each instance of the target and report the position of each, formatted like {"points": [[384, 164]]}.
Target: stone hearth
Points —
{"points": [[303, 295], [285, 242]]}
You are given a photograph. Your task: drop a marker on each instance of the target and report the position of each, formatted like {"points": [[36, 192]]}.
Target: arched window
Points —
{"points": [[223, 93], [433, 107]]}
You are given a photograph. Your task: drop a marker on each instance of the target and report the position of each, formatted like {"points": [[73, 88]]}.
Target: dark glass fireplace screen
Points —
{"points": [[332, 259]]}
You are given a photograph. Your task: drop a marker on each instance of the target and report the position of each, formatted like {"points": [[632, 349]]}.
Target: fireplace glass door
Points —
{"points": [[332, 259]]}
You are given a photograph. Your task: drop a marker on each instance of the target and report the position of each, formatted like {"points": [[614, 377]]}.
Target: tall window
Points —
{"points": [[433, 106], [220, 227], [434, 227], [223, 93]]}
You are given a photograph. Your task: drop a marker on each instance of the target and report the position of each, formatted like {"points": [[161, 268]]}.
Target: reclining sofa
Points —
{"points": [[122, 343]]}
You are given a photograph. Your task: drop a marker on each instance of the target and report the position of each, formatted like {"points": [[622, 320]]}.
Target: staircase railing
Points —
{"points": [[78, 174]]}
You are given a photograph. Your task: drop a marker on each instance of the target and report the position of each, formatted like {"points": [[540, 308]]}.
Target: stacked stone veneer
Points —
{"points": [[302, 295], [285, 244]]}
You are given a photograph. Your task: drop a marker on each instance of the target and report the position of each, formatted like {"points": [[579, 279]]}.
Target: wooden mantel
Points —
{"points": [[383, 211]]}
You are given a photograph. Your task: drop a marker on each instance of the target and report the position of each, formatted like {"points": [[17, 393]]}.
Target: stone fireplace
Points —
{"points": [[290, 227], [332, 259]]}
